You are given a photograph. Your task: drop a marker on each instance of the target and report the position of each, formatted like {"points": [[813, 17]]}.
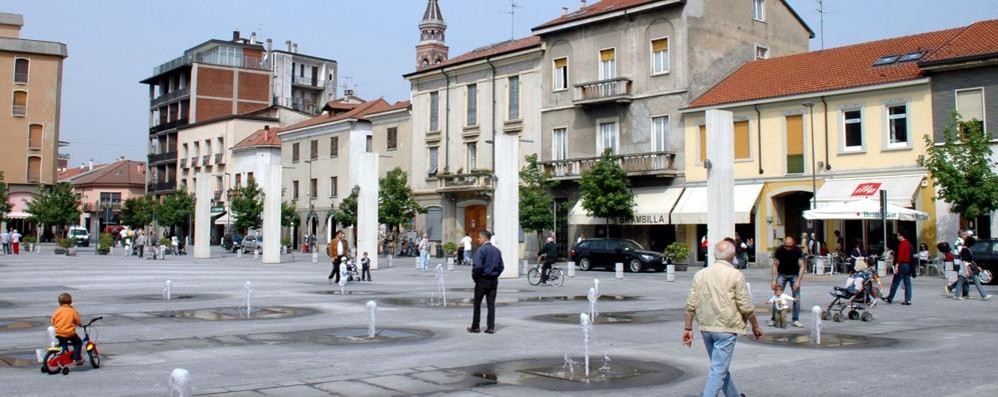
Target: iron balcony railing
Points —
{"points": [[306, 81], [172, 95], [183, 162], [610, 90], [162, 157], [194, 161], [213, 58], [204, 159], [651, 163], [161, 186], [168, 125]]}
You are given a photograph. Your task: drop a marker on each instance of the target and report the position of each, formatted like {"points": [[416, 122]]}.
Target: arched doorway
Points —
{"points": [[311, 227], [474, 221], [330, 225], [789, 210]]}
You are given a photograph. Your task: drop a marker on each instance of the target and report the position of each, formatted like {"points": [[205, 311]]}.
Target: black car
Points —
{"points": [[232, 242], [606, 252], [986, 255]]}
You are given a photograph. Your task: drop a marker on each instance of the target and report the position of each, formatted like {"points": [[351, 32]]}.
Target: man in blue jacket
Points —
{"points": [[486, 270]]}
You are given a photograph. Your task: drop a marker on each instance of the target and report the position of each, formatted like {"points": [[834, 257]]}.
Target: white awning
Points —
{"points": [[865, 209], [225, 220], [692, 206], [17, 215], [651, 207], [901, 190]]}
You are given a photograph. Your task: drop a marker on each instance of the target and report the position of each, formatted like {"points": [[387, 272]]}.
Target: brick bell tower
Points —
{"points": [[432, 48]]}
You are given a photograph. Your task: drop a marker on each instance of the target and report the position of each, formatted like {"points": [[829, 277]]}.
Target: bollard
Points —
{"points": [[390, 259], [256, 254], [526, 267], [239, 253], [315, 258], [881, 269], [619, 268], [450, 264], [670, 273], [571, 269]]}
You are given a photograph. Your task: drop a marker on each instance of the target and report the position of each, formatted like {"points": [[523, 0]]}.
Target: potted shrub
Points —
{"points": [[677, 253], [65, 246], [450, 250], [285, 244], [104, 244]]}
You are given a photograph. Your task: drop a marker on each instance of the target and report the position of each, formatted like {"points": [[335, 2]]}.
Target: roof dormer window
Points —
{"points": [[912, 56], [886, 60]]}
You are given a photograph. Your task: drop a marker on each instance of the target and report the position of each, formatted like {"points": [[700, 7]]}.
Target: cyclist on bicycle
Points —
{"points": [[65, 320], [549, 255]]}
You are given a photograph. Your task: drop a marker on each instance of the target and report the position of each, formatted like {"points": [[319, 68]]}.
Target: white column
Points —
{"points": [[720, 178], [202, 217], [367, 207], [506, 205], [272, 214]]}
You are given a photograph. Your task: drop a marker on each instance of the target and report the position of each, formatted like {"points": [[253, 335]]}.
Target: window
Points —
{"points": [[703, 143], [21, 71], [435, 111], [369, 143], [970, 106], [560, 74], [660, 56], [795, 144], [472, 105], [108, 199], [334, 146], [332, 186], [514, 97], [239, 181], [659, 133], [759, 10], [897, 125], [35, 136], [435, 223], [607, 138], [34, 169], [742, 150], [911, 56], [431, 171], [559, 144], [294, 190], [607, 64], [761, 52], [392, 139], [886, 60], [472, 156], [313, 188], [852, 120], [313, 150], [20, 108], [295, 151], [252, 181]]}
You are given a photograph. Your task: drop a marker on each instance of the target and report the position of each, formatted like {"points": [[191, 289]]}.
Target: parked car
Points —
{"points": [[251, 243], [606, 252], [986, 254], [231, 242], [80, 234]]}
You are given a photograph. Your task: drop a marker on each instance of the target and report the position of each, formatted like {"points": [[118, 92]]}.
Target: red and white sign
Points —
{"points": [[866, 189]]}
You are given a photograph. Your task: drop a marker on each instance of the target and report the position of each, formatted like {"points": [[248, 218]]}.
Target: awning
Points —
{"points": [[901, 190], [16, 215], [867, 209], [692, 206], [651, 207], [225, 220]]}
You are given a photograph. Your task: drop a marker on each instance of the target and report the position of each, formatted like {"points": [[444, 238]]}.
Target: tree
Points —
{"points": [[288, 215], [606, 190], [961, 167], [347, 214], [536, 205], [176, 209], [5, 205], [247, 206], [396, 204], [137, 212], [55, 205]]}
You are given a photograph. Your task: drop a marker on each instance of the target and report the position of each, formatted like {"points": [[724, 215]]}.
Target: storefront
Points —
{"points": [[650, 226]]}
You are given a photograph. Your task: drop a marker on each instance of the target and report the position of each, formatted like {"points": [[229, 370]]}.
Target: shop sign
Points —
{"points": [[866, 189]]}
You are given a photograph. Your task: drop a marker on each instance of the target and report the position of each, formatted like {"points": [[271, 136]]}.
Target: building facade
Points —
{"points": [[102, 191], [302, 82], [29, 122]]}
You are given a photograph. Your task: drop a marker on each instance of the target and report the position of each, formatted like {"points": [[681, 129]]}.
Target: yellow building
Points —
{"points": [[817, 129]]}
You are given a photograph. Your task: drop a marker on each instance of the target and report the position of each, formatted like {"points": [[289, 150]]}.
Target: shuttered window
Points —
{"points": [[660, 56], [560, 74], [703, 143], [795, 144], [742, 150], [608, 64]]}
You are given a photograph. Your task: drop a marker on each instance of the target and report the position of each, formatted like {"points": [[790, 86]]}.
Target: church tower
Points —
{"points": [[432, 48]]}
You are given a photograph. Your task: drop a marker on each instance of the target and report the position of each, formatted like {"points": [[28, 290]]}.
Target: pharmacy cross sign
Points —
{"points": [[866, 189]]}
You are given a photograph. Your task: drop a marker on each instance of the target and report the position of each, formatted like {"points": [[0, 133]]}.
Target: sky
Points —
{"points": [[113, 44]]}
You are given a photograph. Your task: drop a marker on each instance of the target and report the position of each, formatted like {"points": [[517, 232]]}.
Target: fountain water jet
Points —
{"points": [[168, 290], [180, 383], [816, 325], [372, 309], [592, 303], [441, 285], [248, 296], [586, 327]]}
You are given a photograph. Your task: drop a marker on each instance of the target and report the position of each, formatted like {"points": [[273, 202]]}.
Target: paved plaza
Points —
{"points": [[304, 339]]}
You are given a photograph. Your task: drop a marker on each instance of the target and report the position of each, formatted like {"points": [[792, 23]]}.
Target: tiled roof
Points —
{"points": [[397, 106], [262, 137], [500, 48], [119, 173], [375, 106], [827, 70], [69, 173], [975, 41]]}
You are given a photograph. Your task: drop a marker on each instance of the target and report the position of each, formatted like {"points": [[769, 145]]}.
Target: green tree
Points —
{"points": [[396, 204], [138, 212], [5, 205], [247, 206], [347, 213], [176, 209], [961, 167], [536, 204], [55, 205], [606, 190], [288, 215]]}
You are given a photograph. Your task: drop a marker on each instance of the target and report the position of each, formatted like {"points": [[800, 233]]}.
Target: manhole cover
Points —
{"points": [[18, 359], [236, 313], [828, 340], [17, 324], [559, 375], [632, 317]]}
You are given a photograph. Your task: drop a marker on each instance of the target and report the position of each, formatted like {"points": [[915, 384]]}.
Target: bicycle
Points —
{"points": [[556, 276], [59, 358]]}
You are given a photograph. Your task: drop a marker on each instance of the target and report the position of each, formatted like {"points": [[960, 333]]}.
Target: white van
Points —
{"points": [[80, 234]]}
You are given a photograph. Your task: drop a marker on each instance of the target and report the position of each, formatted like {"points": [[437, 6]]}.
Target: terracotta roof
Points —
{"points": [[119, 173], [260, 138], [975, 41], [397, 106], [491, 50], [827, 70], [70, 173], [369, 107]]}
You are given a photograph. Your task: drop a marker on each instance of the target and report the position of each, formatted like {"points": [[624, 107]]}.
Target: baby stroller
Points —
{"points": [[352, 274], [858, 298]]}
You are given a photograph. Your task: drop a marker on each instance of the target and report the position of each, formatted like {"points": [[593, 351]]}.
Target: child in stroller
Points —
{"points": [[352, 274], [859, 295]]}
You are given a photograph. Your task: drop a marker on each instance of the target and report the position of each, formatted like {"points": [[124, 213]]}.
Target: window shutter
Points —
{"points": [[970, 104], [703, 142], [742, 150], [795, 135], [606, 55], [659, 45], [561, 63]]}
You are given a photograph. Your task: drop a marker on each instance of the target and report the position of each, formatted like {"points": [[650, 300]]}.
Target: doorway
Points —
{"points": [[474, 222], [794, 204]]}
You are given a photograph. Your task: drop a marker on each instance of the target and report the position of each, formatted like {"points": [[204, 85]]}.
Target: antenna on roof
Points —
{"points": [[513, 5], [821, 21]]}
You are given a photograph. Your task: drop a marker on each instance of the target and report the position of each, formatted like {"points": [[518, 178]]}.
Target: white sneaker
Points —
{"points": [[798, 324], [987, 297], [771, 323]]}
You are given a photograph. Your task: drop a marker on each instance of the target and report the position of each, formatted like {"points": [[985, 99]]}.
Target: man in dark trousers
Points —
{"points": [[548, 254], [336, 250], [486, 270], [902, 272]]}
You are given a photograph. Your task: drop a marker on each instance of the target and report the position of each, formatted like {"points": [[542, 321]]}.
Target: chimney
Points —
{"points": [[288, 44], [294, 48], [564, 11], [347, 92], [90, 165], [266, 133], [253, 38], [235, 35], [270, 45], [582, 4]]}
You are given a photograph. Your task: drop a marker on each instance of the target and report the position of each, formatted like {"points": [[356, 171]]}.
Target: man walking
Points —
{"points": [[720, 302], [485, 272], [15, 242], [5, 240], [548, 254], [336, 250], [788, 268], [902, 271], [424, 253], [466, 246]]}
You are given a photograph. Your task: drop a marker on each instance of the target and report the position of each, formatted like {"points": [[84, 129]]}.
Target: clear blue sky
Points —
{"points": [[115, 43]]}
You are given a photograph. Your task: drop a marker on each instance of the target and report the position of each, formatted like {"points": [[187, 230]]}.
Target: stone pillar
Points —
{"points": [[367, 207], [272, 214], [202, 216], [720, 178], [506, 204]]}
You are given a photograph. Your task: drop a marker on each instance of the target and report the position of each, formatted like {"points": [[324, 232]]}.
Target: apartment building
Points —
{"points": [[30, 105], [102, 191], [302, 82]]}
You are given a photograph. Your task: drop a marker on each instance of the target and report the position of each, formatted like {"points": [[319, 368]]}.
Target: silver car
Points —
{"points": [[251, 243]]}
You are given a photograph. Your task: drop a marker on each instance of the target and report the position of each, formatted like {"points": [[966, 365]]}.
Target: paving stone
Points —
{"points": [[409, 384], [296, 391], [358, 389]]}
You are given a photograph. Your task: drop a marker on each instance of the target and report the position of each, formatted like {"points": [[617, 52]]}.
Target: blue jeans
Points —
{"points": [[964, 281], [720, 348], [467, 257], [424, 260], [904, 274], [783, 280]]}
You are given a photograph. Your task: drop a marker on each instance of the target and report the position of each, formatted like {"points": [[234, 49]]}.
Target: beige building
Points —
{"points": [[29, 113]]}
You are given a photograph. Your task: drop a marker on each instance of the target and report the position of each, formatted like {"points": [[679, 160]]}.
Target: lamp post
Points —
{"points": [[311, 209], [814, 176]]}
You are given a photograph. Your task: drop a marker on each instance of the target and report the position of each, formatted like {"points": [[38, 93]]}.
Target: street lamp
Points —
{"points": [[311, 210], [814, 176]]}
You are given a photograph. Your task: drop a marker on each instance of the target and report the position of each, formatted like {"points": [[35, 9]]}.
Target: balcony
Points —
{"points": [[19, 111], [616, 90], [637, 164], [183, 163], [204, 160], [97, 207], [168, 125], [213, 58], [194, 161], [166, 157], [173, 95], [219, 158], [161, 187], [476, 182], [306, 82]]}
